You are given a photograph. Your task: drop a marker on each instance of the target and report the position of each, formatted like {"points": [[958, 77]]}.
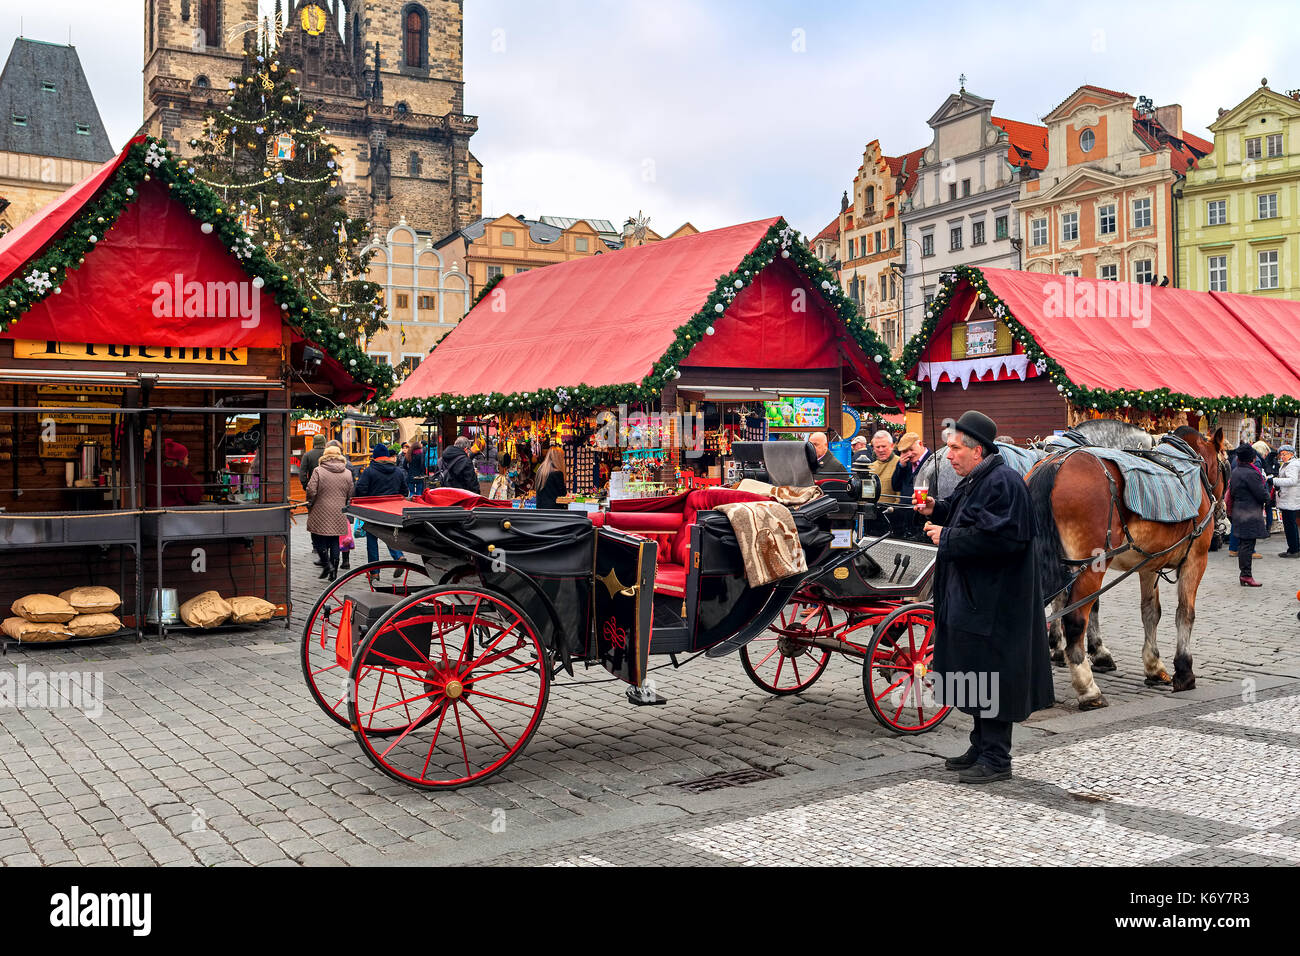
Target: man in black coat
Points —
{"points": [[990, 644], [457, 470]]}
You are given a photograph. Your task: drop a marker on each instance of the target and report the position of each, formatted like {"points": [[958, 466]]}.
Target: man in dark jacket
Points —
{"points": [[457, 470], [383, 477], [990, 647], [912, 454], [828, 466]]}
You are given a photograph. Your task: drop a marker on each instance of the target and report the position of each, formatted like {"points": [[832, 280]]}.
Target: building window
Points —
{"points": [[519, 269], [47, 86], [927, 244], [891, 237], [852, 246], [1141, 213], [403, 300], [1253, 150], [929, 299], [1069, 227], [209, 30], [1142, 271], [1267, 205], [580, 243], [1218, 266], [83, 129], [1106, 219], [1110, 273], [954, 238], [1216, 212], [1000, 227], [413, 36], [20, 119], [1268, 269], [383, 358], [493, 272], [893, 288], [507, 237], [1087, 139], [871, 198], [1274, 144], [965, 187], [426, 303], [413, 164], [201, 82], [952, 191], [1071, 272], [1038, 232], [977, 233]]}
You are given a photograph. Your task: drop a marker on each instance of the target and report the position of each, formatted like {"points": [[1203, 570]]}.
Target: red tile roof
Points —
{"points": [[1183, 153], [908, 164], [832, 231], [1202, 146], [1028, 143]]}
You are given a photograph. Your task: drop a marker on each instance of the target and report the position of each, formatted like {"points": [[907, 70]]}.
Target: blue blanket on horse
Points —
{"points": [[1019, 459], [1168, 490]]}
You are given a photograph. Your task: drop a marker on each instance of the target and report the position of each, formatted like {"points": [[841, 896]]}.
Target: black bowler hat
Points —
{"points": [[980, 427], [1245, 454]]}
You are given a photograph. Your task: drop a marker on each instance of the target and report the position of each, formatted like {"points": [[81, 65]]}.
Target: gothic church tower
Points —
{"points": [[389, 75]]}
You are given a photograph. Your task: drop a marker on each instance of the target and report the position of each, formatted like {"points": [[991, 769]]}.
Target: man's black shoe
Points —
{"points": [[983, 773], [964, 761]]}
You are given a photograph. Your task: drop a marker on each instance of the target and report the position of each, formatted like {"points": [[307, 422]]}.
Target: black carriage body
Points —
{"points": [[590, 592]]}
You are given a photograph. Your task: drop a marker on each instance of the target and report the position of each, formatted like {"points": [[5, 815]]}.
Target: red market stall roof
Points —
{"points": [[120, 260], [1114, 344], [614, 327]]}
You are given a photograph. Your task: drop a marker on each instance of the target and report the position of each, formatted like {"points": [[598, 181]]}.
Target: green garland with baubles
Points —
{"points": [[45, 275], [1081, 396], [780, 242]]}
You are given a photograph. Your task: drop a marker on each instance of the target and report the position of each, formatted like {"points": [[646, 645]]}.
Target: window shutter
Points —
{"points": [[958, 341]]}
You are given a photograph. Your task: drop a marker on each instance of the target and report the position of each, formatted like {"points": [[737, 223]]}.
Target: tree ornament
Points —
{"points": [[206, 228]]}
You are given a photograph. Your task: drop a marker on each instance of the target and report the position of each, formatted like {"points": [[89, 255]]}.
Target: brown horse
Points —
{"points": [[1082, 517]]}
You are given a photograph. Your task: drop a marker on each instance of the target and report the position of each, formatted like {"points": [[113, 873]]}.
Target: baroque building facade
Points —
{"points": [[388, 75], [959, 211], [1103, 205], [870, 240], [1239, 209]]}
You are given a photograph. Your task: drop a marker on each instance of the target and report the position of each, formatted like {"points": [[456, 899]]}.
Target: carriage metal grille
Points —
{"points": [[920, 560]]}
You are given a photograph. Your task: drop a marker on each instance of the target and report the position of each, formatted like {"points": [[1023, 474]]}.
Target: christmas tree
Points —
{"points": [[268, 157]]}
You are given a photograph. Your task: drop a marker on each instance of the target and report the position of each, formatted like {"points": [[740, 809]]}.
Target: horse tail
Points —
{"points": [[1049, 552]]}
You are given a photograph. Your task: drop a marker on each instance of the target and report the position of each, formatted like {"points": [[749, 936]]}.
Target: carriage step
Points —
{"points": [[645, 696]]}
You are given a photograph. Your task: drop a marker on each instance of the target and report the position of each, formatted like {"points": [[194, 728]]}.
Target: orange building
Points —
{"points": [[871, 239], [1103, 207]]}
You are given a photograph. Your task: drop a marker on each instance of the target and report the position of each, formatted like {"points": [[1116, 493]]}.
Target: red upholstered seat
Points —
{"points": [[449, 497], [670, 579], [698, 501]]}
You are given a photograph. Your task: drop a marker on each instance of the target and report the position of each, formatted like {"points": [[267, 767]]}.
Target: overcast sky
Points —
{"points": [[723, 111]]}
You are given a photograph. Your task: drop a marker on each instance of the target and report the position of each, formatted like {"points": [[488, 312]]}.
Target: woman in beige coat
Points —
{"points": [[328, 493]]}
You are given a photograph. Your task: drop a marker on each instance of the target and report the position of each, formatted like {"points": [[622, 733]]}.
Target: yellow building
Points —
{"points": [[1239, 209], [509, 244], [51, 136]]}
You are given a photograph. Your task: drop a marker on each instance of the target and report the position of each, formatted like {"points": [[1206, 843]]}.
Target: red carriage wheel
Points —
{"points": [[475, 680], [780, 660], [326, 675], [896, 672]]}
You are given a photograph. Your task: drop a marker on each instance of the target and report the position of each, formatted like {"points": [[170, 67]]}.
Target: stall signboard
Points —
{"points": [[31, 349], [796, 411], [89, 417]]}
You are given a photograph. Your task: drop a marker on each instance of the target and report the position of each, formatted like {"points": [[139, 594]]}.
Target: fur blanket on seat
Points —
{"points": [[786, 494], [769, 540]]}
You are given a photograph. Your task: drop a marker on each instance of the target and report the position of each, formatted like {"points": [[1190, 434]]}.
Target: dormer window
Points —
{"points": [[20, 119], [47, 86], [83, 129]]}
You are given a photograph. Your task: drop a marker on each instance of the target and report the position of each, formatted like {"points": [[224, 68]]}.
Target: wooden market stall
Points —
{"points": [[684, 345], [147, 368], [1039, 353]]}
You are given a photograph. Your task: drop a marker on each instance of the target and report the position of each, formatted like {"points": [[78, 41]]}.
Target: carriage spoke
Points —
{"points": [[474, 710], [460, 731], [433, 744]]}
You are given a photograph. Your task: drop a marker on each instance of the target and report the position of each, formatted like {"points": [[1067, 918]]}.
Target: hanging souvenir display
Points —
{"points": [[284, 148]]}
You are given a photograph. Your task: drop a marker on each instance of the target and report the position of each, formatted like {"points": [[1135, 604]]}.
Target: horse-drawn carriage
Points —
{"points": [[442, 669]]}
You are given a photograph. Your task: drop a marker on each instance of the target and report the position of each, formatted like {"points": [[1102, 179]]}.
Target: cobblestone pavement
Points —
{"points": [[209, 751]]}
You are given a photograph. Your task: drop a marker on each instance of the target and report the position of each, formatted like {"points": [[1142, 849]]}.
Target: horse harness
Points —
{"points": [[1129, 544]]}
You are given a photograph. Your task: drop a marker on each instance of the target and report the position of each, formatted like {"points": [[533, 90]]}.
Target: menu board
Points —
{"points": [[795, 411]]}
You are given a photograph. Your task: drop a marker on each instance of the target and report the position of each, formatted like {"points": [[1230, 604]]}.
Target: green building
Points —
{"points": [[1239, 207]]}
